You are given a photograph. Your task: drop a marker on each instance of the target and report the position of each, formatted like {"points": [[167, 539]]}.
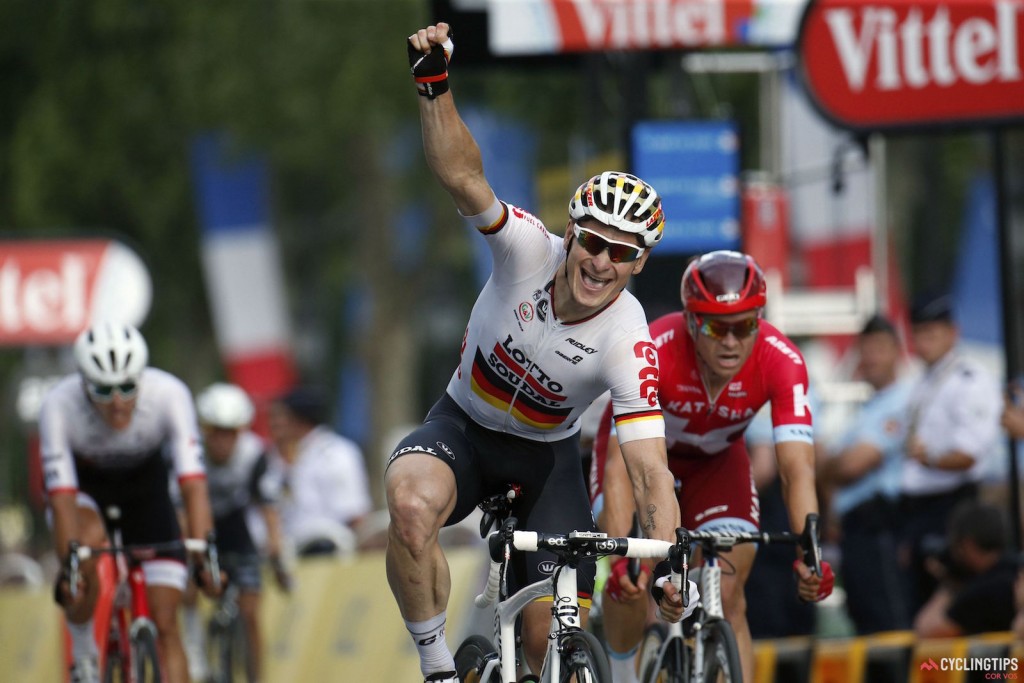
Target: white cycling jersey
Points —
{"points": [[525, 372], [164, 422]]}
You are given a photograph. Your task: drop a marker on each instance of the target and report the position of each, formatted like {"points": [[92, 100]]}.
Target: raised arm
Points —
{"points": [[452, 153]]}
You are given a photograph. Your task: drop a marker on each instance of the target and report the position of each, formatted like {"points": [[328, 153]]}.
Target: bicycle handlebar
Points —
{"points": [[717, 541], [78, 553], [571, 547]]}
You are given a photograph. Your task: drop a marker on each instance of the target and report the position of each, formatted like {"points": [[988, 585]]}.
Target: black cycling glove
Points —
{"points": [[430, 71]]}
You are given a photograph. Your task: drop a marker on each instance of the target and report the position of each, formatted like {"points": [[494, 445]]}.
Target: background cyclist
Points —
{"points": [[103, 430], [720, 363], [551, 330], [236, 473]]}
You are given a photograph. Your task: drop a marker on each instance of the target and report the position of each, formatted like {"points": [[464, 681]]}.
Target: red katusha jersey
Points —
{"points": [[699, 426]]}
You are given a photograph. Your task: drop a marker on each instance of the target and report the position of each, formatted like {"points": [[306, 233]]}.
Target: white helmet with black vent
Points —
{"points": [[225, 405], [111, 353], [621, 201]]}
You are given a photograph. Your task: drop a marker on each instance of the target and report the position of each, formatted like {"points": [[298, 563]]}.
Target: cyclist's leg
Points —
{"points": [[717, 493], [625, 615], [248, 611], [734, 602], [164, 602], [148, 517], [80, 615], [422, 478], [554, 500], [245, 573]]}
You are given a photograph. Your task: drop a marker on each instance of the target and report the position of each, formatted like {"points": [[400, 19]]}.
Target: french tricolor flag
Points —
{"points": [[242, 266]]}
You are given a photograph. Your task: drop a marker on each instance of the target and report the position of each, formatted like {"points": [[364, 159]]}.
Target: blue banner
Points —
{"points": [[694, 166]]}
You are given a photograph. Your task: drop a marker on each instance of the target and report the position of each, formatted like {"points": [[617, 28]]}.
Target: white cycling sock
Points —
{"points": [[193, 623], [431, 644], [83, 642], [623, 665]]}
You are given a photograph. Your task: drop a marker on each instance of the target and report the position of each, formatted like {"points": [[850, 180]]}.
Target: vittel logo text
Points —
{"points": [[43, 299], [924, 49]]}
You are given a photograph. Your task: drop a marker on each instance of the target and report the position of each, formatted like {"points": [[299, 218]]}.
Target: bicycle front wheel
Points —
{"points": [[661, 659], [721, 654], [471, 657], [145, 662], [583, 659]]}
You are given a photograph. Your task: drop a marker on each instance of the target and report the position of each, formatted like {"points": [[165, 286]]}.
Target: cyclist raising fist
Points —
{"points": [[720, 363], [552, 329], [103, 432]]}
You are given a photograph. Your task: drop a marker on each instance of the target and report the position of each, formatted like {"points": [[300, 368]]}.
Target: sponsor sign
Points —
{"points": [[694, 166], [51, 289], [520, 27], [902, 63]]}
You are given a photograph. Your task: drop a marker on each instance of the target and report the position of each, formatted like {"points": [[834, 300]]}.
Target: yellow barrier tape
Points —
{"points": [[30, 637]]}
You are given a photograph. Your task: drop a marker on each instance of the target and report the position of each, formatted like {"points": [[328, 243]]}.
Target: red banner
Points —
{"points": [[51, 289], [902, 63]]}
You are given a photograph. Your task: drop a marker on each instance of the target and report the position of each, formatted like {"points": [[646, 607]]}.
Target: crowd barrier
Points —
{"points": [[341, 623], [893, 657]]}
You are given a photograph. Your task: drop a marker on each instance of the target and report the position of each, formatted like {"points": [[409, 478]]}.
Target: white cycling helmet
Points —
{"points": [[111, 353], [622, 201], [225, 405]]}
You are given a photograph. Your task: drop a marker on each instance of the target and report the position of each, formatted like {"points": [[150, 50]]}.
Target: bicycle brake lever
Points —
{"points": [[486, 522], [213, 560], [74, 569], [809, 543], [679, 558]]}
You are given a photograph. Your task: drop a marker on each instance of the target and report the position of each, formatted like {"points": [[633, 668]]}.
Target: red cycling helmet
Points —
{"points": [[723, 282]]}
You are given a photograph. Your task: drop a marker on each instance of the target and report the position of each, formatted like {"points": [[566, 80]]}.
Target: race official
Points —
{"points": [[863, 472], [953, 429]]}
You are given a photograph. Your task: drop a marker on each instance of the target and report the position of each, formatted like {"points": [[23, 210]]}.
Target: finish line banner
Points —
{"points": [[525, 27]]}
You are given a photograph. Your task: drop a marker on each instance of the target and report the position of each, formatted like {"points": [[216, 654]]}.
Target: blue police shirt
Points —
{"points": [[881, 422]]}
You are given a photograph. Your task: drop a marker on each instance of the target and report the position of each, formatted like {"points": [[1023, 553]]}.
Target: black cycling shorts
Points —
{"points": [[142, 494], [554, 495]]}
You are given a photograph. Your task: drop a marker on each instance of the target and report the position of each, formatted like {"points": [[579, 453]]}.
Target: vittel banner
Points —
{"points": [[903, 63], [51, 289], [558, 26]]}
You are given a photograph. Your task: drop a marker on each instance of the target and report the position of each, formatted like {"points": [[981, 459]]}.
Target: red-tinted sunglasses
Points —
{"points": [[618, 252], [719, 329]]}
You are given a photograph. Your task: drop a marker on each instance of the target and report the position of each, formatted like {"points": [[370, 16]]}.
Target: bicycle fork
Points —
{"points": [[711, 604]]}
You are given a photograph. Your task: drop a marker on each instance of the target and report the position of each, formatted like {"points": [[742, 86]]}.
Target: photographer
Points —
{"points": [[976, 577]]}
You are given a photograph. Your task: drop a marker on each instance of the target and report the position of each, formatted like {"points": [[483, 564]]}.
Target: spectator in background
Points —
{"points": [[236, 473], [325, 489], [976, 575], [953, 427], [863, 473]]}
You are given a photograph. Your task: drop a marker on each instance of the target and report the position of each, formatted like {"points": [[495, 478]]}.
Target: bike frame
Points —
{"points": [[130, 613], [711, 544], [561, 587]]}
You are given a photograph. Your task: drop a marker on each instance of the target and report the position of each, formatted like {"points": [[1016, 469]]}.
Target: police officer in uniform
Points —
{"points": [[952, 429]]}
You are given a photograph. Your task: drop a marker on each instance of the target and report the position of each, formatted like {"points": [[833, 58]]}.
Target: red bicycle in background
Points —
{"points": [[128, 651]]}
